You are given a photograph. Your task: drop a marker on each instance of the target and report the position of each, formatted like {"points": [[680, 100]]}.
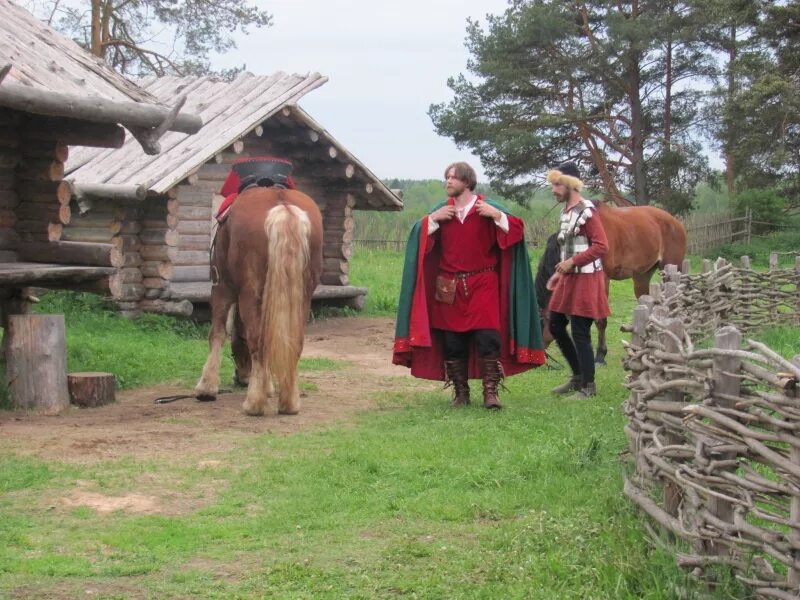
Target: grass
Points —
{"points": [[413, 501], [417, 502], [152, 349], [785, 243]]}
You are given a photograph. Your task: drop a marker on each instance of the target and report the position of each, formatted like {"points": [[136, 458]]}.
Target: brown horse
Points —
{"points": [[640, 240], [267, 262]]}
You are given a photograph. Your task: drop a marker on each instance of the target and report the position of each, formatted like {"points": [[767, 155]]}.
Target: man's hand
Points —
{"points": [[565, 266], [487, 210], [445, 213]]}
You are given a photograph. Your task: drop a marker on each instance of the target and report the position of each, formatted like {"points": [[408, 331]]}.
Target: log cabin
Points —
{"points": [[55, 96], [158, 210]]}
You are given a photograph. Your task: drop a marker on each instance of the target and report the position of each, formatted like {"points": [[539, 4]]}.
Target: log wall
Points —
{"points": [[43, 208], [161, 245], [9, 199]]}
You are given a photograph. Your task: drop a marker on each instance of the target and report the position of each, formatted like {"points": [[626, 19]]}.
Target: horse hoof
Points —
{"points": [[600, 363], [252, 410], [289, 412], [205, 398]]}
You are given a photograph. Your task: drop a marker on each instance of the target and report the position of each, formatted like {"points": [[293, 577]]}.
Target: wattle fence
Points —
{"points": [[714, 421]]}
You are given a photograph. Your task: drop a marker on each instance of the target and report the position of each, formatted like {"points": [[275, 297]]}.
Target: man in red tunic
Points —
{"points": [[579, 283], [471, 318]]}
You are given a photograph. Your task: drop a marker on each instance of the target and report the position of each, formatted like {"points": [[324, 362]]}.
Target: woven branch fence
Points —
{"points": [[714, 422]]}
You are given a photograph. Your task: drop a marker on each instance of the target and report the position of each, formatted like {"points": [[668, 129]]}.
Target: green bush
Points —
{"points": [[767, 206]]}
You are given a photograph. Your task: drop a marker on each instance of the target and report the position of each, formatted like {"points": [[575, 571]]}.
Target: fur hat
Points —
{"points": [[567, 174]]}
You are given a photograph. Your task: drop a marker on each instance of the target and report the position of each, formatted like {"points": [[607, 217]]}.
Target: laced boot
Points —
{"points": [[492, 372], [457, 376], [573, 385]]}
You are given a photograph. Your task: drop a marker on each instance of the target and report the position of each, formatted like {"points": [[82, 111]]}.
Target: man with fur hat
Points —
{"points": [[467, 305], [579, 283]]}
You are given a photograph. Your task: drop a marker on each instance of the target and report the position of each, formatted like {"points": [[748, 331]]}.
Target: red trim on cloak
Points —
{"points": [[422, 351]]}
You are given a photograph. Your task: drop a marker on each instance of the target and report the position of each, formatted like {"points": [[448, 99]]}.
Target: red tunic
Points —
{"points": [[585, 294], [468, 247]]}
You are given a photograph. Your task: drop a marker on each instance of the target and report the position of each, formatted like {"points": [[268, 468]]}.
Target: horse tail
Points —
{"points": [[283, 301]]}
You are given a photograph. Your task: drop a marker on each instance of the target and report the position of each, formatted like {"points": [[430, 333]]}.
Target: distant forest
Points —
{"points": [[539, 210]]}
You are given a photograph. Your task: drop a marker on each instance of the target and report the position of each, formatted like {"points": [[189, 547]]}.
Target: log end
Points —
{"points": [[91, 389]]}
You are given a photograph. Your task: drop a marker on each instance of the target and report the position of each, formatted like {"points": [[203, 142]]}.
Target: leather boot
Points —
{"points": [[573, 385], [588, 390], [492, 372], [457, 376]]}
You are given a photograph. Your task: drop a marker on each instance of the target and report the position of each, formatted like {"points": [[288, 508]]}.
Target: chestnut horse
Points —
{"points": [[641, 239], [266, 265]]}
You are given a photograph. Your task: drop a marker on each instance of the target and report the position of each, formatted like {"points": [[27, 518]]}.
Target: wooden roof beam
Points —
{"points": [[74, 132], [86, 193], [147, 122]]}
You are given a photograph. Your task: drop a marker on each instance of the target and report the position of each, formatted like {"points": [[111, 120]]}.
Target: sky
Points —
{"points": [[387, 62]]}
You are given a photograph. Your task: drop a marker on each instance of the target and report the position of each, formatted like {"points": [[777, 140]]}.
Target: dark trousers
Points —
{"points": [[577, 350], [457, 343]]}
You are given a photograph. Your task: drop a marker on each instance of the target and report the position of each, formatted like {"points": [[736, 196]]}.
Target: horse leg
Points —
{"points": [[221, 302], [601, 325], [602, 349], [641, 283], [259, 386], [240, 351], [289, 392]]}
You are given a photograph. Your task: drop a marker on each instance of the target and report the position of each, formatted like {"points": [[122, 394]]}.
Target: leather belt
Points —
{"points": [[462, 276]]}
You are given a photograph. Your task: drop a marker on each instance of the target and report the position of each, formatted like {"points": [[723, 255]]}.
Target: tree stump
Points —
{"points": [[89, 390], [36, 369]]}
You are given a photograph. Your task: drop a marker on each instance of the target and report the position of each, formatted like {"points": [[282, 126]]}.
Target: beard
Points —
{"points": [[456, 189], [563, 197]]}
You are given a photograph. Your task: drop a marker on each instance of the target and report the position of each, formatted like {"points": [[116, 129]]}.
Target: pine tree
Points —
{"points": [[125, 32], [556, 81]]}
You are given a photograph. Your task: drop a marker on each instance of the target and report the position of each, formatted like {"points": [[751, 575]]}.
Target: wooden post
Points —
{"points": [[794, 515], [797, 295], [749, 223], [37, 362], [672, 273], [655, 291], [641, 316], [89, 390], [725, 369], [770, 292], [706, 266], [672, 492], [648, 301], [686, 266], [745, 261]]}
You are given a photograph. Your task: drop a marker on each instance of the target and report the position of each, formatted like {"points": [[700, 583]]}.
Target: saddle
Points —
{"points": [[245, 173]]}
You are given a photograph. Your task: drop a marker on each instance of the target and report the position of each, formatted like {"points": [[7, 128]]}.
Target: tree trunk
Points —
{"points": [[730, 171], [37, 362], [668, 97], [637, 118], [89, 390], [96, 45]]}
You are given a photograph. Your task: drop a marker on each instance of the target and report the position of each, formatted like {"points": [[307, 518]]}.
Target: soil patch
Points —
{"points": [[200, 432]]}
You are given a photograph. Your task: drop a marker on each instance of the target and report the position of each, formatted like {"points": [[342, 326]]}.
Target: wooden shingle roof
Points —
{"points": [[230, 110], [45, 73]]}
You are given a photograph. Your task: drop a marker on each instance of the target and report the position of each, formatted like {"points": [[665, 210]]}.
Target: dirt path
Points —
{"points": [[188, 430]]}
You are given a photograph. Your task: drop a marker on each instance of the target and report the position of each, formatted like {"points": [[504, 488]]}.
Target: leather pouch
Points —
{"points": [[445, 289]]}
